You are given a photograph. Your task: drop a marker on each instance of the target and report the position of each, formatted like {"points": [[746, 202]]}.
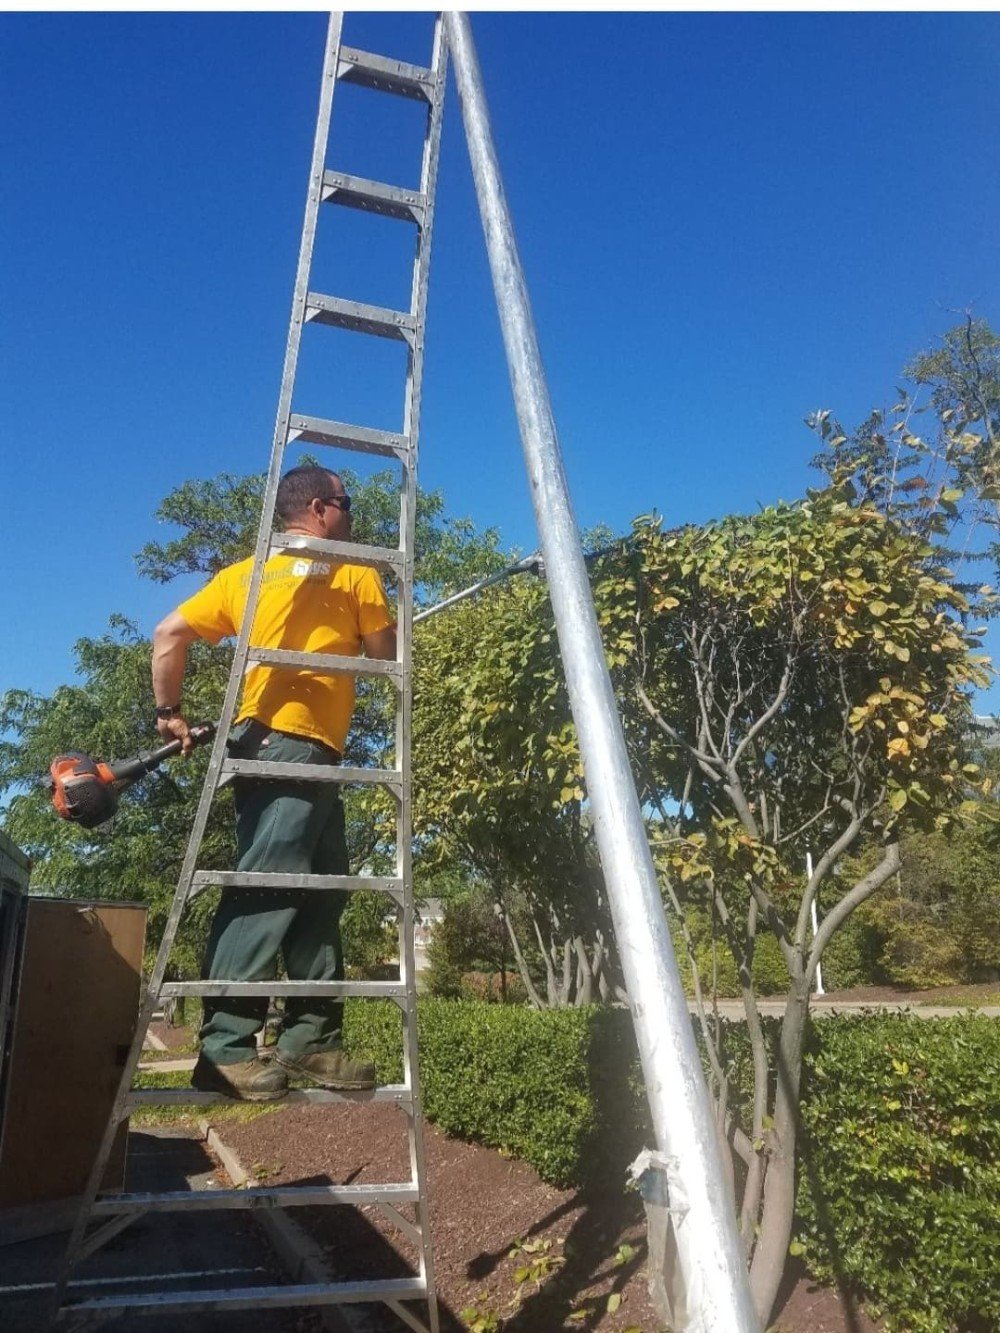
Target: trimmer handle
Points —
{"points": [[130, 770]]}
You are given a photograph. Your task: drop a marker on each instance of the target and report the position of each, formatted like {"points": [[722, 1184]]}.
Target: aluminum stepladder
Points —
{"points": [[110, 1215]]}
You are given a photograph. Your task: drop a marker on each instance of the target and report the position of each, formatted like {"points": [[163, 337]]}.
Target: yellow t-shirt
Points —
{"points": [[306, 605]]}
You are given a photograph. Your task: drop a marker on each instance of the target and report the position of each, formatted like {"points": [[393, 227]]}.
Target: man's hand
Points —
{"points": [[176, 729]]}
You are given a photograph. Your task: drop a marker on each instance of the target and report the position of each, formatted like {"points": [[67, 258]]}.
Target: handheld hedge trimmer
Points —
{"points": [[86, 790]]}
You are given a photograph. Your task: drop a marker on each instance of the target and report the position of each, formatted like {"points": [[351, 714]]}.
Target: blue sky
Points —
{"points": [[727, 221]]}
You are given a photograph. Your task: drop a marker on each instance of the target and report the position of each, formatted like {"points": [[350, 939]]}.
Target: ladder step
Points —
{"points": [[248, 1298], [314, 430], [385, 75], [277, 1196], [361, 318], [392, 990], [268, 879], [327, 664], [392, 1092], [348, 553], [260, 768], [373, 197]]}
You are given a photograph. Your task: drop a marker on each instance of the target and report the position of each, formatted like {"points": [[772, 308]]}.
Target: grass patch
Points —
{"points": [[976, 1001]]}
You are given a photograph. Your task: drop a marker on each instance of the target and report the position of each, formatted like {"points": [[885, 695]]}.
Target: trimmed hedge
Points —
{"points": [[528, 1082], [899, 1164]]}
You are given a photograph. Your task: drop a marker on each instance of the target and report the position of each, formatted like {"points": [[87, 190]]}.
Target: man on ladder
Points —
{"points": [[288, 827]]}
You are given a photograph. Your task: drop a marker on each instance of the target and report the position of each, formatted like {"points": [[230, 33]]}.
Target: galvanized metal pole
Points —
{"points": [[710, 1255]]}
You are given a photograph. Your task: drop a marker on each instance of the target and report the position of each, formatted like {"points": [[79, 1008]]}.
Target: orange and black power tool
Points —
{"points": [[86, 790]]}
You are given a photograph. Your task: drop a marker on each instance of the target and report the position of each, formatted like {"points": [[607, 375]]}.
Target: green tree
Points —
{"points": [[792, 681], [939, 477], [498, 786], [939, 924]]}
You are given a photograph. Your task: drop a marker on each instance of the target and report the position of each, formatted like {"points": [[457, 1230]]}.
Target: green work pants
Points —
{"points": [[292, 828]]}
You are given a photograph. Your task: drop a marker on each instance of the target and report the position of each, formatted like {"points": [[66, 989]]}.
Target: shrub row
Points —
{"points": [[523, 1081], [899, 1167]]}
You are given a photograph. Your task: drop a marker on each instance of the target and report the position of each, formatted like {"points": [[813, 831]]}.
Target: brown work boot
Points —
{"points": [[329, 1069], [248, 1080]]}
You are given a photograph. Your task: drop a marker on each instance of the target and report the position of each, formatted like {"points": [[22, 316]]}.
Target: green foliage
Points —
{"points": [[901, 1173], [502, 797], [137, 856], [939, 922], [368, 931], [714, 960], [941, 479], [901, 1131], [471, 937], [851, 957], [525, 1081], [219, 519]]}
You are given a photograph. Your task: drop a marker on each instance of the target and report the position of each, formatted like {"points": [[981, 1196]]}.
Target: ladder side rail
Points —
{"points": [[711, 1257], [407, 527], [331, 59]]}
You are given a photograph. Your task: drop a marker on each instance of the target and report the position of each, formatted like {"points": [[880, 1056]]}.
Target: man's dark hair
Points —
{"points": [[298, 487]]}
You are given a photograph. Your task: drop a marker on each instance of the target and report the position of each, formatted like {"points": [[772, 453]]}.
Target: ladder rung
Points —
{"points": [[392, 990], [376, 319], [385, 75], [393, 1092], [373, 197], [269, 879], [261, 768], [249, 1298], [277, 1196], [348, 553], [314, 430], [327, 664]]}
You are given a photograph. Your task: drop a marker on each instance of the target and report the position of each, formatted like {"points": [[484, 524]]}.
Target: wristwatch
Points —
{"points": [[168, 711]]}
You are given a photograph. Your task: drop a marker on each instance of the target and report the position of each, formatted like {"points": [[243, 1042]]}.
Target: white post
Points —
{"points": [[815, 925]]}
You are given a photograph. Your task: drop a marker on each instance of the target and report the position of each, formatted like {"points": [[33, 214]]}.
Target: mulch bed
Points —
{"points": [[482, 1206]]}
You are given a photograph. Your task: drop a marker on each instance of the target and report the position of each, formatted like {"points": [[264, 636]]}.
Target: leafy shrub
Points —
{"points": [[900, 1166], [487, 986], [851, 957], [541, 1085], [715, 960]]}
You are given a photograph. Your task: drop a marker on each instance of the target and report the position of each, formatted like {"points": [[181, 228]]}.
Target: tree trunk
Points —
{"points": [[585, 977], [779, 1184], [522, 966], [567, 974]]}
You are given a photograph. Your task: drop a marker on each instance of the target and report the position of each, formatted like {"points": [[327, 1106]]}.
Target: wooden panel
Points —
{"points": [[77, 1003]]}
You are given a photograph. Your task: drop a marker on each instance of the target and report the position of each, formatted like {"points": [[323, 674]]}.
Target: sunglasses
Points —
{"points": [[341, 501]]}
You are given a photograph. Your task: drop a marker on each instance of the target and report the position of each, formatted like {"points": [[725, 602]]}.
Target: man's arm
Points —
{"points": [[171, 639], [381, 644]]}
